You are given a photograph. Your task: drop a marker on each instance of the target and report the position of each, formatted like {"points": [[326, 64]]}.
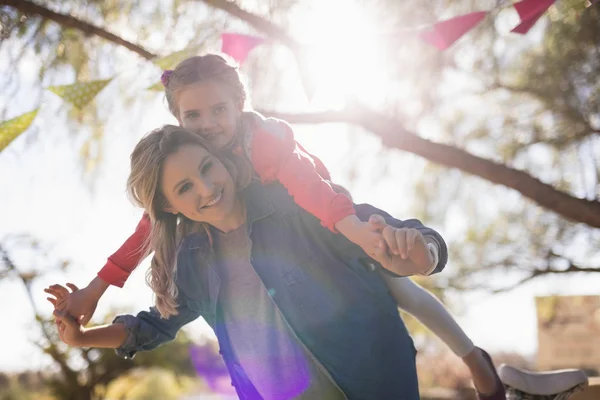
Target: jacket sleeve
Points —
{"points": [[276, 156], [147, 330], [364, 211], [121, 264]]}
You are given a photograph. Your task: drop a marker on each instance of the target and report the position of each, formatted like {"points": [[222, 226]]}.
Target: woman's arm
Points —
{"points": [[421, 259], [365, 211], [106, 336], [127, 334]]}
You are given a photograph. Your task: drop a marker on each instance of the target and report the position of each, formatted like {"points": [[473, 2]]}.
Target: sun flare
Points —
{"points": [[345, 55]]}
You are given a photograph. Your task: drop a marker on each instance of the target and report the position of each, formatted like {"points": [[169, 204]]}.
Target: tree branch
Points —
{"points": [[540, 272], [68, 21], [394, 135]]}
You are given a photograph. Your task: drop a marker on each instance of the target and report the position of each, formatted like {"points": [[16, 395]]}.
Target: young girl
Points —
{"points": [[206, 95]]}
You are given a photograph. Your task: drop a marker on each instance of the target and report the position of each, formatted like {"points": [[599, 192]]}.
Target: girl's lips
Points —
{"points": [[212, 136]]}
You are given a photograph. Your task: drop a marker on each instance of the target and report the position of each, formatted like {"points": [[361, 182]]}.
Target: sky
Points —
{"points": [[85, 217]]}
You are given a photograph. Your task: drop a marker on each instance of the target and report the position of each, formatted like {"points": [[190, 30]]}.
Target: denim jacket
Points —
{"points": [[324, 287]]}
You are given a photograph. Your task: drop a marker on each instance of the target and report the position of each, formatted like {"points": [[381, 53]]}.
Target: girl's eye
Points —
{"points": [[184, 188], [191, 116], [206, 167]]}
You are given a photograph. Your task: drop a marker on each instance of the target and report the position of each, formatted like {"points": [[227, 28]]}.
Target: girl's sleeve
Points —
{"points": [[121, 264], [276, 156]]}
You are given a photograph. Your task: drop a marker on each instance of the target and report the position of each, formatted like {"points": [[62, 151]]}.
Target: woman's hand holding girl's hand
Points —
{"points": [[79, 303], [69, 330], [403, 251]]}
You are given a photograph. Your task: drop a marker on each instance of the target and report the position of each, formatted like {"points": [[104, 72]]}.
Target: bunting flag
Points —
{"points": [[443, 34], [156, 87], [170, 61], [81, 93], [9, 130], [530, 11], [238, 46]]}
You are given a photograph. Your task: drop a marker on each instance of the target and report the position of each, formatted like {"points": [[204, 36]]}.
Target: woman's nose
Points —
{"points": [[205, 187]]}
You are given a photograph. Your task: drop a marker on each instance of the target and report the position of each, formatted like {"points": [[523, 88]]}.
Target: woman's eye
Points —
{"points": [[185, 187], [192, 116], [206, 167]]}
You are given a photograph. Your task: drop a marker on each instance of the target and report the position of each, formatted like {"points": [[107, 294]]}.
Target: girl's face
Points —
{"points": [[208, 109], [197, 185]]}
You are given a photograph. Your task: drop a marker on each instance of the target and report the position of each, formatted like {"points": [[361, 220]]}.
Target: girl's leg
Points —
{"points": [[424, 306]]}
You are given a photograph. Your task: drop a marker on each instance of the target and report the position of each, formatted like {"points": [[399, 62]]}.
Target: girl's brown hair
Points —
{"points": [[206, 68], [144, 188]]}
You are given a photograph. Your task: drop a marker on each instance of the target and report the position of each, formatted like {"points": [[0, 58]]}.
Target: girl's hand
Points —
{"points": [[69, 331], [403, 251], [360, 233], [80, 304]]}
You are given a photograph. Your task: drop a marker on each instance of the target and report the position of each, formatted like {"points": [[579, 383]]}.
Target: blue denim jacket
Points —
{"points": [[321, 282]]}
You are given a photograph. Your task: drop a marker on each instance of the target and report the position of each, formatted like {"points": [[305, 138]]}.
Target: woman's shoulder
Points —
{"points": [[272, 197]]}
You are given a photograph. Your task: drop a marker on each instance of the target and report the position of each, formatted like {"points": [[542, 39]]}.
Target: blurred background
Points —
{"points": [[494, 142]]}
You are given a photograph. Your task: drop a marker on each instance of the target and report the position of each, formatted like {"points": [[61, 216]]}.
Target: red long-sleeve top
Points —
{"points": [[275, 156]]}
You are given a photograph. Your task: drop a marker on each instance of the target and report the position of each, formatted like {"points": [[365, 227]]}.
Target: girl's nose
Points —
{"points": [[207, 124]]}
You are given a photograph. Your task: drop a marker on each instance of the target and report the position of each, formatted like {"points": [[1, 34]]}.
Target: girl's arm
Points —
{"points": [[81, 304], [276, 156], [122, 263]]}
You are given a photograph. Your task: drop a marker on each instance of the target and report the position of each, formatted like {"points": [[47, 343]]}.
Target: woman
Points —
{"points": [[296, 308]]}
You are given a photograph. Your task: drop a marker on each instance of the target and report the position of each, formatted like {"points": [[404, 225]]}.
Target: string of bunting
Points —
{"points": [[441, 35]]}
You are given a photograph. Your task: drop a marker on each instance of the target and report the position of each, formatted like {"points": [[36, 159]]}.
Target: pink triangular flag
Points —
{"points": [[443, 34], [238, 46], [530, 11]]}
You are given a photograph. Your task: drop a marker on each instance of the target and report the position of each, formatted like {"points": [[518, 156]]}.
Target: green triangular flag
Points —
{"points": [[157, 87], [9, 130], [170, 61], [81, 93]]}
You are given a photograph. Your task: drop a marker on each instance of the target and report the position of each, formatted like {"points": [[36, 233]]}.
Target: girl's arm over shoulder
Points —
{"points": [[276, 156]]}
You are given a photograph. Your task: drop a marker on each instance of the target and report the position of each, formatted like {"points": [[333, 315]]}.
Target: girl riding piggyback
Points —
{"points": [[207, 96]]}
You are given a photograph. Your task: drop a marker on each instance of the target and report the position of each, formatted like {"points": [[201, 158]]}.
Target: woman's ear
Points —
{"points": [[170, 210]]}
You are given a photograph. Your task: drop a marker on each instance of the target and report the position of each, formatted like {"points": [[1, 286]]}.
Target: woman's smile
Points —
{"points": [[215, 199]]}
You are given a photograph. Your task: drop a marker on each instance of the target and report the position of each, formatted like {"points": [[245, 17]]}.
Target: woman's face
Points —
{"points": [[197, 185], [207, 108]]}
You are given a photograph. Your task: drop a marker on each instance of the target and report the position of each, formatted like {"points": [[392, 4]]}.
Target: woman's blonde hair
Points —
{"points": [[144, 188]]}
